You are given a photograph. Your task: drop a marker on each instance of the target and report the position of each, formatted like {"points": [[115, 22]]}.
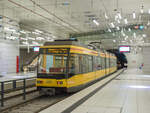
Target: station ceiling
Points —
{"points": [[61, 18]]}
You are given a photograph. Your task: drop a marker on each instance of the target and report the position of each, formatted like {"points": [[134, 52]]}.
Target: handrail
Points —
{"points": [[31, 59], [2, 92]]}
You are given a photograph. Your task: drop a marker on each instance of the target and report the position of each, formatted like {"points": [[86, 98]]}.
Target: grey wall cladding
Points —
{"points": [[8, 52]]}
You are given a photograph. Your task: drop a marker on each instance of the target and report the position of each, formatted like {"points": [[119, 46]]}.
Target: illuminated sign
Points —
{"points": [[36, 49], [53, 51], [57, 51], [141, 27], [136, 27], [124, 48]]}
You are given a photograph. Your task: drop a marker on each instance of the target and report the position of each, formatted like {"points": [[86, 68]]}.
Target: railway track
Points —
{"points": [[36, 104]]}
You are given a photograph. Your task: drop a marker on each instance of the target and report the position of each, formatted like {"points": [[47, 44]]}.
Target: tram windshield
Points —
{"points": [[52, 61], [55, 62], [52, 64]]}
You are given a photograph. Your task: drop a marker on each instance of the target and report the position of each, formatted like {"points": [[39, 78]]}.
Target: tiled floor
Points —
{"points": [[128, 93]]}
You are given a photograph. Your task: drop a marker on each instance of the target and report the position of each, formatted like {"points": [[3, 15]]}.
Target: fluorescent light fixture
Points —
{"points": [[23, 38], [16, 33], [129, 29], [119, 15], [26, 43], [37, 33], [112, 25], [39, 38], [149, 11], [36, 30], [30, 38], [23, 32], [118, 28], [142, 11], [9, 29], [123, 34], [134, 34], [118, 21], [116, 17], [109, 30], [148, 23], [134, 16], [126, 38], [106, 16], [95, 22], [126, 21], [54, 37], [144, 35], [12, 37], [114, 40]]}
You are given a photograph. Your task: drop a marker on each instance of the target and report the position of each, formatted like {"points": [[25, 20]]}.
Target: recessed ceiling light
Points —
{"points": [[23, 32], [119, 15], [144, 35], [95, 22], [26, 43], [134, 34], [106, 16], [134, 16], [142, 11], [149, 11], [118, 21], [126, 21], [148, 23], [114, 40], [129, 29], [36, 30], [109, 30], [112, 25], [118, 28]]}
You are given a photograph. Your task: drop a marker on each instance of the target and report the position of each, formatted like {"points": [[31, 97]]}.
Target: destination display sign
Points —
{"points": [[53, 51]]}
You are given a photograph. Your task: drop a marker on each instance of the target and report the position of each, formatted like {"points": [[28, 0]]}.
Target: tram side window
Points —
{"points": [[99, 66], [107, 62], [90, 63], [113, 62], [74, 67], [103, 62], [85, 64]]}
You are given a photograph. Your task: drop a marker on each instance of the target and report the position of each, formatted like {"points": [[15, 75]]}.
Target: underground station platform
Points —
{"points": [[123, 92]]}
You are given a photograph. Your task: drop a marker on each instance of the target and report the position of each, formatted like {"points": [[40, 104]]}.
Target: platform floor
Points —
{"points": [[127, 93]]}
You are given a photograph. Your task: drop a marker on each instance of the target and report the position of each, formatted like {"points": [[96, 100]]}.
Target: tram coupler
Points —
{"points": [[47, 91]]}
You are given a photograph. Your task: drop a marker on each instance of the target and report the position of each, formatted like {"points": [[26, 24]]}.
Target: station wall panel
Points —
{"points": [[8, 52], [146, 60], [134, 60]]}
